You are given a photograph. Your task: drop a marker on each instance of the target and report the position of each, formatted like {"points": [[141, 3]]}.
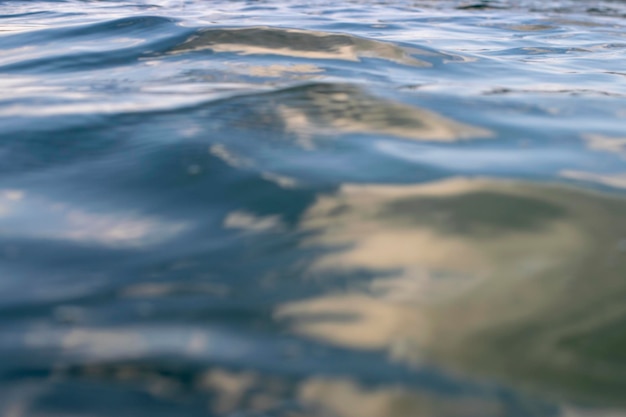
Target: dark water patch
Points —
{"points": [[483, 213], [483, 5]]}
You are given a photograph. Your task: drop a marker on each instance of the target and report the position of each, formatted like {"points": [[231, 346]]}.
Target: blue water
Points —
{"points": [[320, 209]]}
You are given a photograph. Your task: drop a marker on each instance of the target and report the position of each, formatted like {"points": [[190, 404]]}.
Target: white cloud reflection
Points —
{"points": [[616, 145], [616, 180], [33, 216], [249, 222]]}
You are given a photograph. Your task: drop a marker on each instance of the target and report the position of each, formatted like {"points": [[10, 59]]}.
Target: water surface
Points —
{"points": [[350, 209]]}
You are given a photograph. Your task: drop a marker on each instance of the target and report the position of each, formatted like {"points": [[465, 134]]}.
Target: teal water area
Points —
{"points": [[320, 209]]}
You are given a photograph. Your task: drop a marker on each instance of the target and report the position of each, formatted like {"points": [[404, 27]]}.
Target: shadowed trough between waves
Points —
{"points": [[350, 209]]}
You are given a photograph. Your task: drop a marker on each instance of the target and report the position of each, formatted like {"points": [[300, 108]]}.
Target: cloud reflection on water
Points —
{"points": [[512, 280], [28, 215]]}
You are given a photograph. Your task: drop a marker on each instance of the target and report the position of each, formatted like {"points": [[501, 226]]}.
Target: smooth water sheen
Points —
{"points": [[322, 209]]}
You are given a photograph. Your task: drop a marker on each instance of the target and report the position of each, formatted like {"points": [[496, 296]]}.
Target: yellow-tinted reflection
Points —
{"points": [[297, 43], [347, 109], [345, 398], [234, 391], [519, 281]]}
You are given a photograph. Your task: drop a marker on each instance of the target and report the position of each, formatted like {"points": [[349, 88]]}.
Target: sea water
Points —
{"points": [[286, 208]]}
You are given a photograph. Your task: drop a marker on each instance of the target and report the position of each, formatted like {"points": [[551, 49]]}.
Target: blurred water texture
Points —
{"points": [[323, 209]]}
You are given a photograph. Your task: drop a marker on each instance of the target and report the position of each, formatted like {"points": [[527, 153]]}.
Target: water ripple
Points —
{"points": [[349, 209]]}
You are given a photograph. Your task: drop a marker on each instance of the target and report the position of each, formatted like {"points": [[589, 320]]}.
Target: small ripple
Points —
{"points": [[548, 90], [97, 45]]}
